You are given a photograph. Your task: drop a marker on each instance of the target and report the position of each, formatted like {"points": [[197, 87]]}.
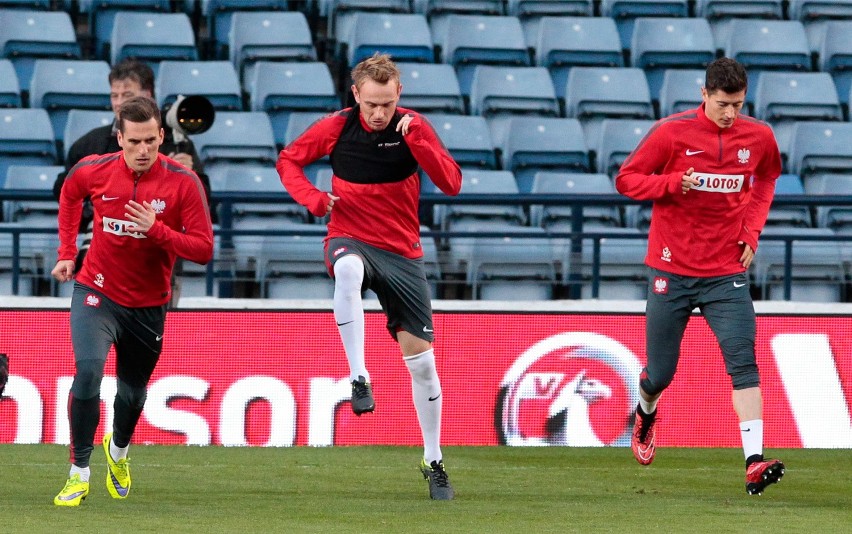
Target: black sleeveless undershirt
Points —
{"points": [[364, 157]]}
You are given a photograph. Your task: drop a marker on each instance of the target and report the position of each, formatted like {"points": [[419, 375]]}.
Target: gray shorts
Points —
{"points": [[399, 282], [724, 301]]}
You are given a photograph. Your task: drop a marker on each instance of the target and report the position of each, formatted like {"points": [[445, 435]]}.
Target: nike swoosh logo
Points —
{"points": [[427, 329], [121, 490], [741, 284], [71, 497], [693, 152], [434, 398], [107, 199], [159, 338], [745, 429], [341, 324]]}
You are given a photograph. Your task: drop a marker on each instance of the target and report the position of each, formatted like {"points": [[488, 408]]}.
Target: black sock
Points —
{"points": [[753, 458], [645, 416], [83, 416], [125, 419]]}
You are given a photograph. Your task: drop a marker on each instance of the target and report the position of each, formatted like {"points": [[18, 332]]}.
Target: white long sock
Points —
{"points": [[117, 453], [648, 406], [751, 433], [349, 312], [426, 392], [84, 472]]}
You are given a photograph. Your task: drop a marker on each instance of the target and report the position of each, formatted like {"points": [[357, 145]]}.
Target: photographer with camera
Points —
{"points": [[127, 79]]}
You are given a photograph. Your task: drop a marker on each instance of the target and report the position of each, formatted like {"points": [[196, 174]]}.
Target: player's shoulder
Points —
{"points": [[95, 161]]}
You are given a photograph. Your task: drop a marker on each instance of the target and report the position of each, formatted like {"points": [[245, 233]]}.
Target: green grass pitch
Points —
{"points": [[379, 489]]}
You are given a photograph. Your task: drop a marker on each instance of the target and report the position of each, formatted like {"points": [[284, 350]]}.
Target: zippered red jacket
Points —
{"points": [[131, 268], [697, 234], [379, 209]]}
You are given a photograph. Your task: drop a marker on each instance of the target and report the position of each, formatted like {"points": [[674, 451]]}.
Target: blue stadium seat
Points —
{"points": [[662, 43], [10, 89], [293, 266], [406, 37], [467, 138], [512, 268], [28, 264], [101, 18], [27, 35], [430, 88], [807, 10], [282, 88], [478, 182], [499, 90], [715, 9], [619, 137], [532, 144], [680, 90], [817, 273], [835, 56], [269, 36], [560, 217], [625, 13], [219, 15], [622, 274], [79, 122], [473, 40], [565, 42], [30, 178], [820, 147], [789, 216], [550, 8], [152, 37], [837, 218], [237, 136], [342, 14], [59, 85], [245, 178], [595, 93], [26, 138], [439, 11], [215, 80]]}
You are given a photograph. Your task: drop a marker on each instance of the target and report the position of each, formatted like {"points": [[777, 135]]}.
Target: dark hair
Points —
{"points": [[726, 74], [138, 109], [133, 69], [379, 68]]}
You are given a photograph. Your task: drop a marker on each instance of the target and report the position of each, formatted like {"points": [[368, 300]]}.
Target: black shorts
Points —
{"points": [[399, 282], [726, 304]]}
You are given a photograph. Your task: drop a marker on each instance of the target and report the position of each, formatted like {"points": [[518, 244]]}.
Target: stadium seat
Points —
{"points": [[473, 40], [512, 267], [215, 80], [59, 85], [820, 147], [467, 138], [10, 90], [680, 90], [618, 138], [789, 216], [595, 93], [550, 8], [30, 178], [28, 266], [343, 13], [622, 270], [405, 36], [837, 218], [716, 9], [253, 178], [152, 37], [817, 271], [237, 136], [558, 217], [807, 10], [26, 138], [482, 182], [835, 56], [193, 277], [26, 36], [500, 90], [439, 12], [282, 88], [625, 13], [293, 266], [269, 36], [532, 144], [660, 43], [101, 18], [219, 15], [565, 42], [79, 122], [430, 88]]}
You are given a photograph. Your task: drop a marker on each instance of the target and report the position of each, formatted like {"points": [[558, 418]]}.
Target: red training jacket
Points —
{"points": [[696, 234], [131, 268]]}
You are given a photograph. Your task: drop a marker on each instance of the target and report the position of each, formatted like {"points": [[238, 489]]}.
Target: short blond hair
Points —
{"points": [[379, 68]]}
